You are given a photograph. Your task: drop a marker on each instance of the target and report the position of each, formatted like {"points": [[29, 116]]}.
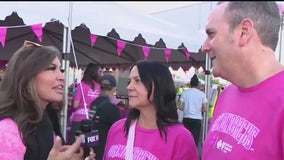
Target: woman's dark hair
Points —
{"points": [[157, 75], [91, 74], [18, 93], [53, 110], [194, 81]]}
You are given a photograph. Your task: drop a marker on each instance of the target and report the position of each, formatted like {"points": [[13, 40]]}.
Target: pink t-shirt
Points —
{"points": [[148, 143], [248, 123], [11, 144], [89, 94]]}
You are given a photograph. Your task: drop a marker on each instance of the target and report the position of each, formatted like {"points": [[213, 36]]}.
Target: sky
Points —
{"points": [[156, 6]]}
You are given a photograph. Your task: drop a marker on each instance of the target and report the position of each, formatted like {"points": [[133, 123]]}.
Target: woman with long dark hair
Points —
{"points": [[152, 129]]}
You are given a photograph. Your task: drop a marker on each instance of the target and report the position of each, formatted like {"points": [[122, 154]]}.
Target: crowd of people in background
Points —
{"points": [[94, 96]]}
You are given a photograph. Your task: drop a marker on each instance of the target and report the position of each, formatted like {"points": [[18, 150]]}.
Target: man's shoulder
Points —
{"points": [[103, 103], [99, 100]]}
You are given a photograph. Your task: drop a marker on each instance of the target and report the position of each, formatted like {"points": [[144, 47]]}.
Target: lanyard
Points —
{"points": [[130, 141]]}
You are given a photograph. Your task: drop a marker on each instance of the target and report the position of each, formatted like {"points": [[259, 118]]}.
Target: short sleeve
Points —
{"points": [[12, 147]]}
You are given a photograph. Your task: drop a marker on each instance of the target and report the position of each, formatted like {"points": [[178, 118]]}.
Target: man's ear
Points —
{"points": [[246, 29]]}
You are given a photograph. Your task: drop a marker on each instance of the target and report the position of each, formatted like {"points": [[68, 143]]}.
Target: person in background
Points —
{"points": [[179, 91], [103, 112], [123, 108], [248, 120], [72, 88], [214, 98], [87, 91], [193, 103], [33, 80], [152, 129]]}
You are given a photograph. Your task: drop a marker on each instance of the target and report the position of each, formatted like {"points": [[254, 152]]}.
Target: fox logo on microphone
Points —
{"points": [[90, 139]]}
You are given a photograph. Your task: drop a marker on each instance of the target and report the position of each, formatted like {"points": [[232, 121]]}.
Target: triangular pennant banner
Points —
{"points": [[37, 29], [3, 33], [168, 54], [93, 39], [120, 46], [146, 51], [187, 54]]}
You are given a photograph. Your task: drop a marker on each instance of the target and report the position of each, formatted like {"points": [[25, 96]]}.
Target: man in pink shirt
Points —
{"points": [[248, 120]]}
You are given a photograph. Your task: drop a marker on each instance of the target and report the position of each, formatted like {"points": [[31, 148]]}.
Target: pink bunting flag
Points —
{"points": [[281, 9], [37, 29], [3, 33], [146, 51], [93, 39], [120, 46], [168, 54], [187, 54]]}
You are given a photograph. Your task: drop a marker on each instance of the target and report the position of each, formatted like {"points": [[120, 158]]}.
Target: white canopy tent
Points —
{"points": [[101, 17]]}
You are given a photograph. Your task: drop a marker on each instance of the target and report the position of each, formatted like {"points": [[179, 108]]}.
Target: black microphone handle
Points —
{"points": [[86, 125]]}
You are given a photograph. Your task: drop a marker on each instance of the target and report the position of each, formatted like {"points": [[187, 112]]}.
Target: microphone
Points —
{"points": [[90, 136]]}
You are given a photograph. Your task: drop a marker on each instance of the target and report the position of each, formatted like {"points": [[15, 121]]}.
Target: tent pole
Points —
{"points": [[66, 63], [207, 92], [63, 118]]}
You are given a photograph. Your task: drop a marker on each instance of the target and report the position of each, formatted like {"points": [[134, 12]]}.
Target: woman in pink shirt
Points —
{"points": [[33, 80], [87, 91], [151, 130]]}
